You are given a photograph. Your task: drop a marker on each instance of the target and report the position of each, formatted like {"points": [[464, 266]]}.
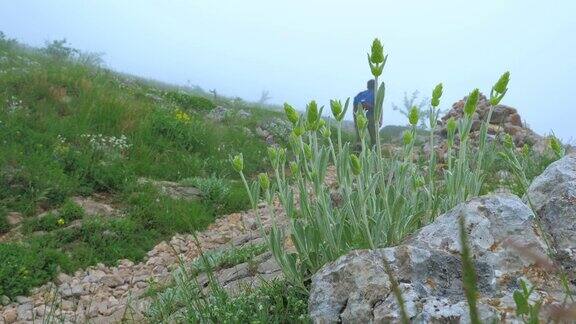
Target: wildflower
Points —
{"points": [[471, 102], [60, 222], [407, 137], [238, 162], [436, 94], [336, 107], [413, 116], [377, 52], [451, 125], [182, 116], [312, 115], [294, 168], [264, 181], [355, 163], [291, 114], [361, 121]]}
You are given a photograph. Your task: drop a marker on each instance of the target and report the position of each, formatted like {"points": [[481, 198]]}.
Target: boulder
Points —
{"points": [[356, 288], [553, 197]]}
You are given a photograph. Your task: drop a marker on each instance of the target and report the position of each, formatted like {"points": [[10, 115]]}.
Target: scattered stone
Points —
{"points": [[4, 300], [174, 189], [14, 218], [218, 114], [10, 315], [94, 208]]}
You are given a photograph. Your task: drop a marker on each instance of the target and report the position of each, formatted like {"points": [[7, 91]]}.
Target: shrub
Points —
{"points": [[188, 101]]}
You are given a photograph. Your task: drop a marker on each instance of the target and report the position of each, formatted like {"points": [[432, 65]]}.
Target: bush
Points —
{"points": [[188, 101], [22, 269]]}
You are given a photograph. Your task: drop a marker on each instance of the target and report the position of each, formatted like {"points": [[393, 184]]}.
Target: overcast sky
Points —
{"points": [[316, 49]]}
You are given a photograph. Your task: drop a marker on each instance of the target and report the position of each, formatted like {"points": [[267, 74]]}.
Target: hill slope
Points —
{"points": [[143, 162]]}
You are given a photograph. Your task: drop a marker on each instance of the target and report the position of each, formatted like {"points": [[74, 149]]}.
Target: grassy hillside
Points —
{"points": [[69, 128]]}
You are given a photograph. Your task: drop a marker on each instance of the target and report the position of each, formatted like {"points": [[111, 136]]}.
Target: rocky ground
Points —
{"points": [[103, 294]]}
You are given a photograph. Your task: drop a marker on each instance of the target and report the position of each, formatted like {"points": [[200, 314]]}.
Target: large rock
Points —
{"points": [[356, 289], [553, 197]]}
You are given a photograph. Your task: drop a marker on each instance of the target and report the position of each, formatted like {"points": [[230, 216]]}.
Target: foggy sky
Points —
{"points": [[302, 50]]}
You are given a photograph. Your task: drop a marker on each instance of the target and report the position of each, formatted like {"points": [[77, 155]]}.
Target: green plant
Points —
{"points": [[529, 312], [189, 101], [4, 226], [215, 190], [22, 269], [383, 198], [468, 273]]}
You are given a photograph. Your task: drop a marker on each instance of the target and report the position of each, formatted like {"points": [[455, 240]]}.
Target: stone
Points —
{"points": [[112, 281], [356, 289], [94, 208], [553, 197], [4, 300], [174, 189], [14, 218], [25, 312], [218, 114], [10, 315]]}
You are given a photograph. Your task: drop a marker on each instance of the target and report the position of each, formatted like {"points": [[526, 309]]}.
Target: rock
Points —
{"points": [[62, 278], [25, 312], [4, 300], [112, 281], [218, 114], [10, 315], [174, 189], [356, 288], [94, 208], [553, 197], [22, 299], [243, 114], [14, 218]]}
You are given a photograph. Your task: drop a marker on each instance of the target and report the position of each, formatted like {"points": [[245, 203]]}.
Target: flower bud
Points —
{"points": [[282, 155], [325, 132], [291, 114], [294, 168], [377, 52], [471, 102], [272, 154], [264, 181], [556, 146], [436, 94], [407, 137], [451, 125], [307, 151], [508, 141], [502, 83], [298, 131], [355, 164], [336, 107], [413, 116], [361, 121], [238, 163], [312, 115]]}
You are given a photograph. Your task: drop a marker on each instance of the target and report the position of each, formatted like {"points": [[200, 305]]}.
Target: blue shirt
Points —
{"points": [[366, 96]]}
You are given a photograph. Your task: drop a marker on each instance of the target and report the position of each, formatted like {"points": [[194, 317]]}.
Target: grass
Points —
{"points": [[71, 128]]}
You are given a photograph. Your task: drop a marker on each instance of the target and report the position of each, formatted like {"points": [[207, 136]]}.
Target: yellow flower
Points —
{"points": [[182, 116], [60, 222]]}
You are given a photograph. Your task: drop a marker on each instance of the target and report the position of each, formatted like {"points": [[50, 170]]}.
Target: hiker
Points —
{"points": [[365, 100]]}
